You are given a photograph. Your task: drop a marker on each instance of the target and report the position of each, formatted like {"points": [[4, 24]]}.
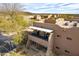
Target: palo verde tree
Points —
{"points": [[10, 9], [11, 13]]}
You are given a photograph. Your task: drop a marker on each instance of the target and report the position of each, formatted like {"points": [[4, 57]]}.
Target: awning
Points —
{"points": [[41, 29]]}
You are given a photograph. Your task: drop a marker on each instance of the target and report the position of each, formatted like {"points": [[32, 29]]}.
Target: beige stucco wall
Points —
{"points": [[66, 41]]}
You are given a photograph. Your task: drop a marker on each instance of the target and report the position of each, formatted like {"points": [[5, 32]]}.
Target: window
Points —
{"points": [[68, 38]]}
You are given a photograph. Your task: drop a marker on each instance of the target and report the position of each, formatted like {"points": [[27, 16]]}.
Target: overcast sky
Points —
{"points": [[70, 8]]}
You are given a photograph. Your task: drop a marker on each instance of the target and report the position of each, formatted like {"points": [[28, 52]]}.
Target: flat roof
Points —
{"points": [[41, 29]]}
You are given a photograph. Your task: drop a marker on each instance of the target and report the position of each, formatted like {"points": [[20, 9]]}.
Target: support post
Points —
{"points": [[50, 45]]}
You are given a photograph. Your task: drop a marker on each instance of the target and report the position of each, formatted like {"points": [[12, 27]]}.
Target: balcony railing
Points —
{"points": [[43, 36]]}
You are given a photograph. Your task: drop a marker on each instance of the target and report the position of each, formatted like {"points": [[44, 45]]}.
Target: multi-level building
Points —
{"points": [[61, 38]]}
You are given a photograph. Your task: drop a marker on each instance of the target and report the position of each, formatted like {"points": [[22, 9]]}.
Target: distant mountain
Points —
{"points": [[30, 13]]}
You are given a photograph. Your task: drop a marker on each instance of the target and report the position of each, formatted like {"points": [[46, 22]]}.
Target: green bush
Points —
{"points": [[17, 39]]}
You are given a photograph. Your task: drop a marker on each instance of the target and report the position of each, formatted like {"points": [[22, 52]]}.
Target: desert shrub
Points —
{"points": [[20, 38], [21, 22], [17, 38]]}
